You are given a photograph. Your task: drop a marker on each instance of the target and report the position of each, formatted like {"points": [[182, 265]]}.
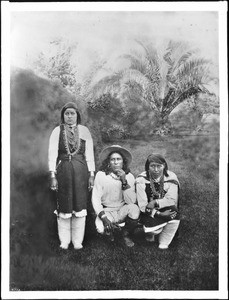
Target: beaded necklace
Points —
{"points": [[114, 176], [66, 142], [157, 193]]}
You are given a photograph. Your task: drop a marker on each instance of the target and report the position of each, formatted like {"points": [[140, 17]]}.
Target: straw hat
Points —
{"points": [[104, 154]]}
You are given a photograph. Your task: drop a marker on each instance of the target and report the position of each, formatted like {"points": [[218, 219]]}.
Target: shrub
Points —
{"points": [[202, 151], [114, 132], [188, 116], [107, 113]]}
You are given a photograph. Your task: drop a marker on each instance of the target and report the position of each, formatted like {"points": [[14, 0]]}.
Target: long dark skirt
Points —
{"points": [[72, 177]]}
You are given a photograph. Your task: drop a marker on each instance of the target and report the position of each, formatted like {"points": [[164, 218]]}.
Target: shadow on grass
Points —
{"points": [[191, 262]]}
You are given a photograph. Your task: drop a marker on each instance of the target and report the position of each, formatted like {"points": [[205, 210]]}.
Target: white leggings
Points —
{"points": [[167, 232], [71, 229]]}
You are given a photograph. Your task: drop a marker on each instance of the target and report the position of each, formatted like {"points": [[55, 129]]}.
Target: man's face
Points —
{"points": [[70, 116], [116, 162], [156, 170]]}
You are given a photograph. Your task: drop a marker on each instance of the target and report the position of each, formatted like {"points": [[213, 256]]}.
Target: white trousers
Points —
{"points": [[71, 229], [166, 233], [118, 216]]}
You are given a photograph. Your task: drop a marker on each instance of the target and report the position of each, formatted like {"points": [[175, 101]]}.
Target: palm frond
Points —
{"points": [[176, 55], [108, 84], [176, 100], [147, 90], [183, 59], [191, 74], [135, 75], [136, 62], [151, 57]]}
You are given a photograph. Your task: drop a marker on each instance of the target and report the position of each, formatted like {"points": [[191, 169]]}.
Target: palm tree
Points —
{"points": [[162, 79]]}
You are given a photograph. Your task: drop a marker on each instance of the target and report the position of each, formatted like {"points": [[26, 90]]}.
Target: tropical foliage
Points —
{"points": [[162, 79], [56, 64], [140, 96], [192, 115]]}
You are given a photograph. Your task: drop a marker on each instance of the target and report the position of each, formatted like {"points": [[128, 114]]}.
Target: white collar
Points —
{"points": [[114, 176]]}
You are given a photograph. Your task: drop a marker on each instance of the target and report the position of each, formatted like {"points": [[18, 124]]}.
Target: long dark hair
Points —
{"points": [[105, 164], [70, 105], [157, 158]]}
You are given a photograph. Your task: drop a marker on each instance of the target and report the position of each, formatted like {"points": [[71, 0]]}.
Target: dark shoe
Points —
{"points": [[110, 236], [128, 241], [150, 238], [139, 231], [131, 224]]}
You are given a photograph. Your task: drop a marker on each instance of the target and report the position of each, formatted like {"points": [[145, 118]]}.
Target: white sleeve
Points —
{"points": [[97, 193], [171, 196], [141, 194], [53, 149], [130, 194], [89, 151]]}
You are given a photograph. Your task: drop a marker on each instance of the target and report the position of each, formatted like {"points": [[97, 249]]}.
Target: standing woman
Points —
{"points": [[71, 166]]}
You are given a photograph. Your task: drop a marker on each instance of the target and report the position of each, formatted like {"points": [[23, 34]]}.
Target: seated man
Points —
{"points": [[113, 195], [157, 196]]}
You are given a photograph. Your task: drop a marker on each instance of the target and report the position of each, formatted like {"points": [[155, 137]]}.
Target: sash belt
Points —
{"points": [[66, 157]]}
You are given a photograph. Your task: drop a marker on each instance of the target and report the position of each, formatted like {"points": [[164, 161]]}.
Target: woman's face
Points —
{"points": [[156, 170], [116, 162], [70, 116]]}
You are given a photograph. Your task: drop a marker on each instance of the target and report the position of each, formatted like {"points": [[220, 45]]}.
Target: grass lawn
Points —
{"points": [[191, 262]]}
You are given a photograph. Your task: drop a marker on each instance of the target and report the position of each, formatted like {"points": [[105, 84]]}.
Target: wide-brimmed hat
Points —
{"points": [[104, 154]]}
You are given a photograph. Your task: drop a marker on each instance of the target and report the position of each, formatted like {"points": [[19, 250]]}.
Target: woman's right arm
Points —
{"points": [[52, 157], [53, 149]]}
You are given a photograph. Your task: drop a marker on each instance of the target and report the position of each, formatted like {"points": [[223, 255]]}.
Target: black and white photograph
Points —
{"points": [[115, 150]]}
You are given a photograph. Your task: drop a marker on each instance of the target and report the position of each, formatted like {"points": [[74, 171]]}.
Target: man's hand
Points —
{"points": [[53, 184], [108, 225], [168, 214], [121, 174], [150, 206]]}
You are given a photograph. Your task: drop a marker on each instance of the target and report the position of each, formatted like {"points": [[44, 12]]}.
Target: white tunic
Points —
{"points": [[169, 199], [108, 194]]}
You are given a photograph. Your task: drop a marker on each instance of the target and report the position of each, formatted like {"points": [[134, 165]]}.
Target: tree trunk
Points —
{"points": [[175, 102]]}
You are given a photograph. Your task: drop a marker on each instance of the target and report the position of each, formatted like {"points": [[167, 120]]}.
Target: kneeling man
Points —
{"points": [[113, 196]]}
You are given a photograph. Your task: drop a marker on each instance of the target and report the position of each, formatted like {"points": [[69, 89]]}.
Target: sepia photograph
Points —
{"points": [[115, 150]]}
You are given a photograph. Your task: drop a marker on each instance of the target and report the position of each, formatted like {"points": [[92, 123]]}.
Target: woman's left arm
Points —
{"points": [[89, 155], [89, 151]]}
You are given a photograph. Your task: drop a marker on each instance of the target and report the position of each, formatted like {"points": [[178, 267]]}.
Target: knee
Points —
{"points": [[134, 211], [64, 223], [172, 226]]}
